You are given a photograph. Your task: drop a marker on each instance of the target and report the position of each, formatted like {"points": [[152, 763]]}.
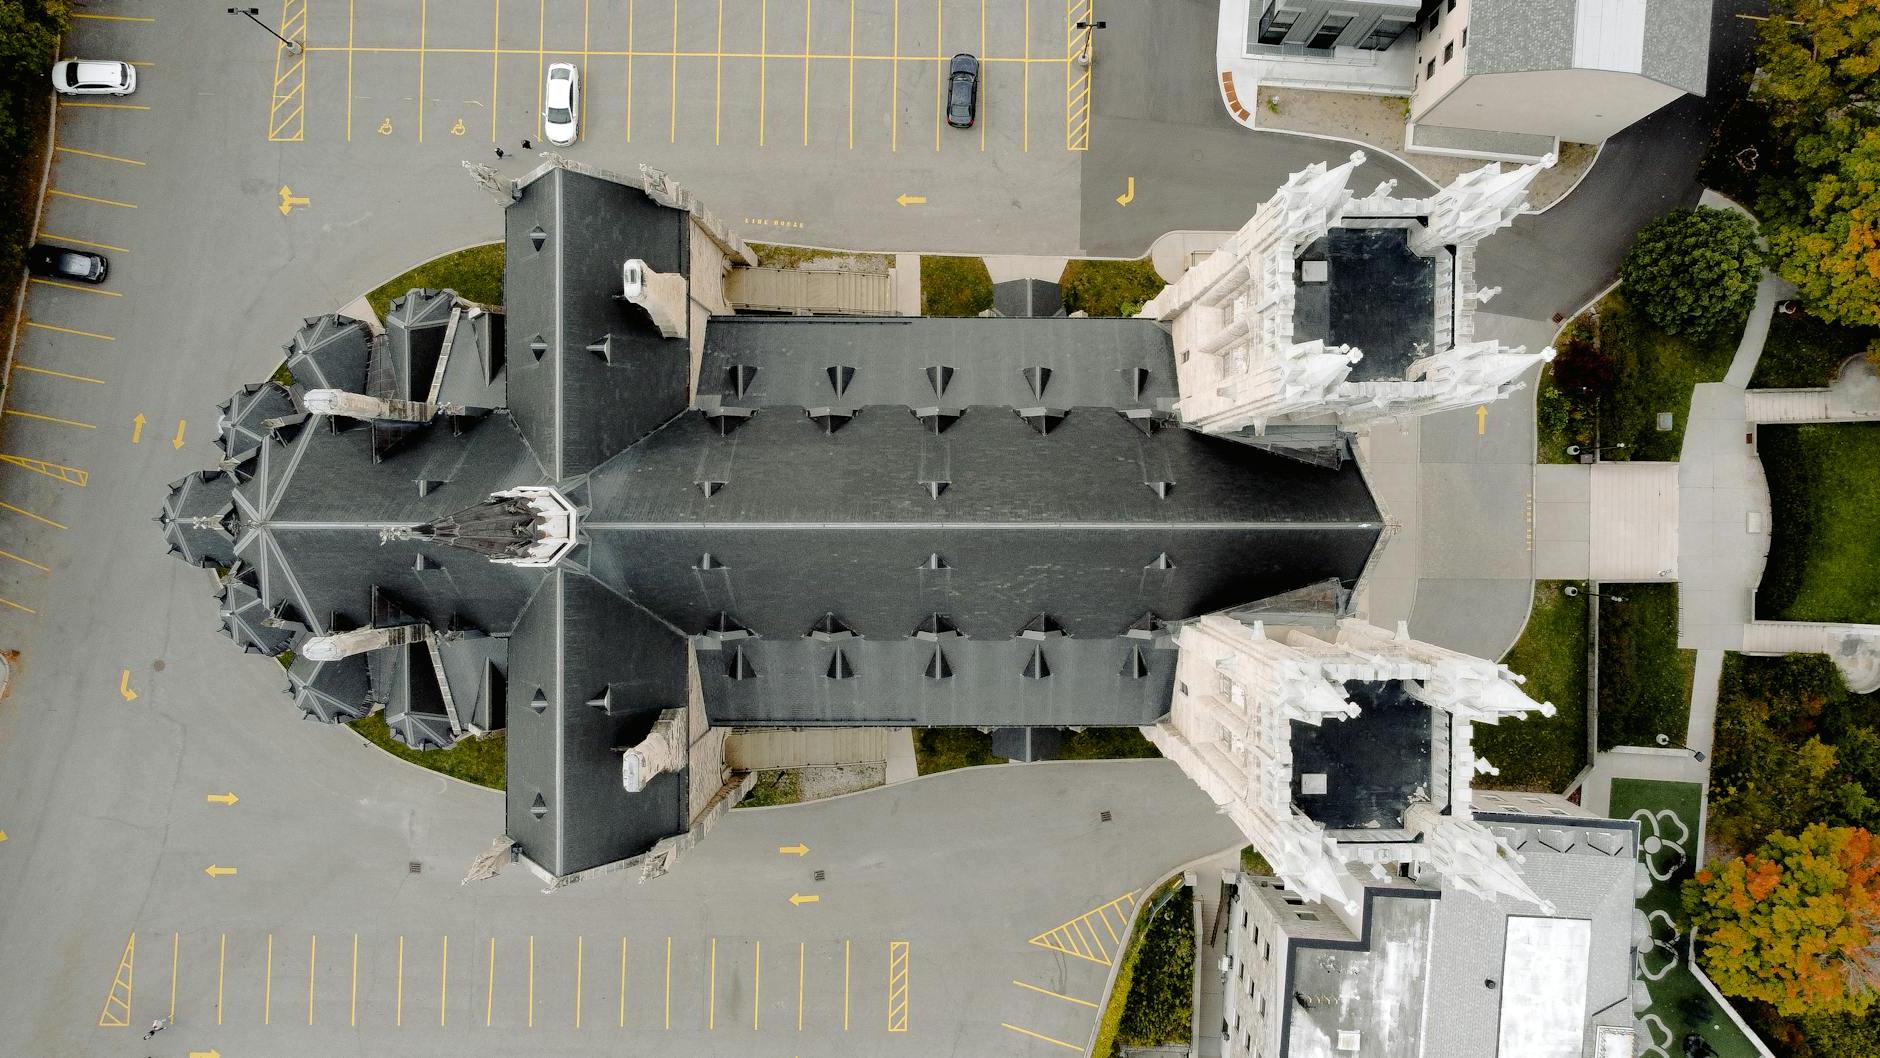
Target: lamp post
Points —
{"points": [[293, 46], [1090, 39], [1589, 454], [1573, 592], [1664, 742]]}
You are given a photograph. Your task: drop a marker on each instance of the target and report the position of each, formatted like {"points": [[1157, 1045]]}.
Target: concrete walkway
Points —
{"points": [[1637, 762]]}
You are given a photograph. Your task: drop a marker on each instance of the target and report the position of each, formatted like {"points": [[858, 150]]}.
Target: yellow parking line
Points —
{"points": [[349, 64], [711, 1009], [443, 982], [1056, 995], [580, 959], [496, 28], [1041, 1036], [95, 154], [531, 980], [982, 51], [799, 986], [1026, 107], [400, 1016], [73, 286], [623, 982], [115, 18], [25, 561], [897, 985], [28, 514], [106, 106], [355, 982], [57, 471], [221, 966], [630, 6], [313, 946], [176, 942], [424, 8], [806, 24], [669, 982], [937, 74], [17, 606], [489, 987], [82, 242], [894, 86], [672, 134], [541, 37], [757, 979], [845, 986], [267, 990], [57, 374], [851, 75], [51, 418], [763, 64], [585, 5], [718, 75], [67, 330], [90, 198]]}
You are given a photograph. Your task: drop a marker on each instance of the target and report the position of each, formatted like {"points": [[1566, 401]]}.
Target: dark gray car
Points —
{"points": [[61, 263], [962, 91]]}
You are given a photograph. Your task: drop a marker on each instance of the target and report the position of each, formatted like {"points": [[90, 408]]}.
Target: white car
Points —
{"points": [[561, 104], [90, 77]]}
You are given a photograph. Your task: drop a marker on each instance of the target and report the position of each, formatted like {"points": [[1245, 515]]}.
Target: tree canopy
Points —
{"points": [[1694, 271], [1792, 924]]}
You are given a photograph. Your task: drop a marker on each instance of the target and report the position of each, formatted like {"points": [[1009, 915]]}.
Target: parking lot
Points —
{"points": [[865, 75]]}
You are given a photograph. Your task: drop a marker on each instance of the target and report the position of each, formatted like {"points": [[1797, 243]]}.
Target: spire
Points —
{"points": [[532, 525]]}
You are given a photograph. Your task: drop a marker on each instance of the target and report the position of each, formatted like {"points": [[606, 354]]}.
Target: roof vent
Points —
{"points": [[426, 486], [724, 624], [938, 421], [422, 562], [938, 668], [935, 488], [1162, 561], [829, 420], [539, 808], [539, 346], [709, 488], [1043, 626], [839, 667], [939, 376], [1146, 626], [840, 375], [829, 626], [937, 626], [1135, 667], [1040, 420], [739, 378], [603, 347], [1138, 380], [737, 666], [935, 562], [537, 237], [1037, 378], [1349, 1041], [539, 703], [1160, 488], [708, 561], [603, 701], [727, 420], [1035, 667]]}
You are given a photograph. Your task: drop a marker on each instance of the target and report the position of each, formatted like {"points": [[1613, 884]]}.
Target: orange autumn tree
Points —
{"points": [[1792, 924]]}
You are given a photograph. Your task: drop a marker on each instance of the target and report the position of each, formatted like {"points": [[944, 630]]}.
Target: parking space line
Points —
{"points": [[496, 28], [718, 75], [400, 1013], [50, 418], [82, 242], [1056, 995], [1077, 17], [443, 982], [56, 329], [799, 986], [29, 610], [938, 105], [672, 134], [57, 374], [580, 127], [580, 959], [115, 18], [28, 514], [267, 989], [894, 86], [763, 63], [82, 290], [221, 966], [806, 60], [1070, 937], [104, 106], [1025, 109], [313, 946], [424, 22], [845, 986], [59, 471], [349, 65], [176, 943], [353, 1017], [541, 40], [851, 75], [108, 1017], [489, 987], [287, 110], [1041, 1036], [90, 198], [757, 979], [897, 985], [623, 982], [531, 980], [982, 52], [630, 6], [94, 154], [669, 982], [711, 1009]]}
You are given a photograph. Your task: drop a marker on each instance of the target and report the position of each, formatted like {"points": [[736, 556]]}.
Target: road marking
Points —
{"points": [[1041, 1036], [1129, 193], [799, 986], [763, 65], [799, 899], [116, 1013], [718, 74], [353, 1003], [897, 985], [711, 1011], [267, 990], [313, 946], [541, 86], [939, 101], [82, 242], [1069, 938], [137, 428], [443, 983], [894, 85], [176, 943], [424, 9], [401, 980], [69, 475], [757, 979], [623, 982], [287, 108], [224, 799], [57, 374], [106, 106], [798, 849], [845, 986], [94, 154], [669, 982], [672, 134], [852, 74], [489, 987], [124, 686], [531, 980], [806, 25], [1481, 419], [17, 606], [911, 200], [580, 125], [630, 7], [81, 290], [221, 965], [982, 51], [51, 419], [177, 441], [34, 517], [35, 324], [1056, 995], [214, 871], [25, 561], [1026, 107], [580, 958], [385, 127], [1077, 89], [349, 65], [289, 200], [115, 18]]}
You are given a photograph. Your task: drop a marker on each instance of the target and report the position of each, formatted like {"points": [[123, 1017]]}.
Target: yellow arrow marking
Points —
{"points": [[289, 200], [3, 835], [457, 129], [217, 872], [1129, 195], [177, 441], [221, 798], [912, 200], [210, 1053], [1481, 419], [124, 686], [799, 899], [798, 849], [137, 429]]}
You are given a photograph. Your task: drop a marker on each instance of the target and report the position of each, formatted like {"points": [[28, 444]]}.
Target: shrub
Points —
{"points": [[1109, 288], [954, 286], [1694, 271]]}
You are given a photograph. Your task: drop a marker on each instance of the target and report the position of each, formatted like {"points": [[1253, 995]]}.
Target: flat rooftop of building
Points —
{"points": [[1366, 997], [1363, 772], [1376, 295]]}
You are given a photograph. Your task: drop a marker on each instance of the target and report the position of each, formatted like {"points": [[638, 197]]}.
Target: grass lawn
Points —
{"points": [[1109, 288], [1677, 999], [1823, 550], [947, 748], [1644, 679], [1107, 743], [477, 760], [1543, 753], [1803, 352], [1641, 372], [780, 787], [1151, 1003], [476, 273], [954, 286]]}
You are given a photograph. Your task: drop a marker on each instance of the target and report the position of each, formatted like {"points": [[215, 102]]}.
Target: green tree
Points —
{"points": [[1822, 222], [1818, 69], [1792, 924], [1694, 271]]}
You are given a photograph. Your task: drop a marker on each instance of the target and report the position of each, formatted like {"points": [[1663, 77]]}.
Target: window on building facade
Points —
{"points": [[1430, 70], [1276, 23], [1436, 18], [1384, 34], [1329, 30], [1450, 6], [1465, 36], [1449, 51], [1309, 916]]}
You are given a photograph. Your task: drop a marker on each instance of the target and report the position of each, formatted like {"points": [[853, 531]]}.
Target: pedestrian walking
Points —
{"points": [[157, 1026], [499, 153], [526, 147]]}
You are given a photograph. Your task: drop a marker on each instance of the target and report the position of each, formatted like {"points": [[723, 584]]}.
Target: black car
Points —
{"points": [[61, 263], [962, 91]]}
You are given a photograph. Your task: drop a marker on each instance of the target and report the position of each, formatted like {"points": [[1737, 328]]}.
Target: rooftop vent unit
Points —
{"points": [[1349, 1041]]}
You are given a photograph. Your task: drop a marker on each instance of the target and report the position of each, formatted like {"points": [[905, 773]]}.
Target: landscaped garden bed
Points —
{"points": [[1824, 556]]}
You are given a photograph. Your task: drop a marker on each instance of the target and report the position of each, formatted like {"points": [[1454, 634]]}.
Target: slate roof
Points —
{"points": [[983, 522]]}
